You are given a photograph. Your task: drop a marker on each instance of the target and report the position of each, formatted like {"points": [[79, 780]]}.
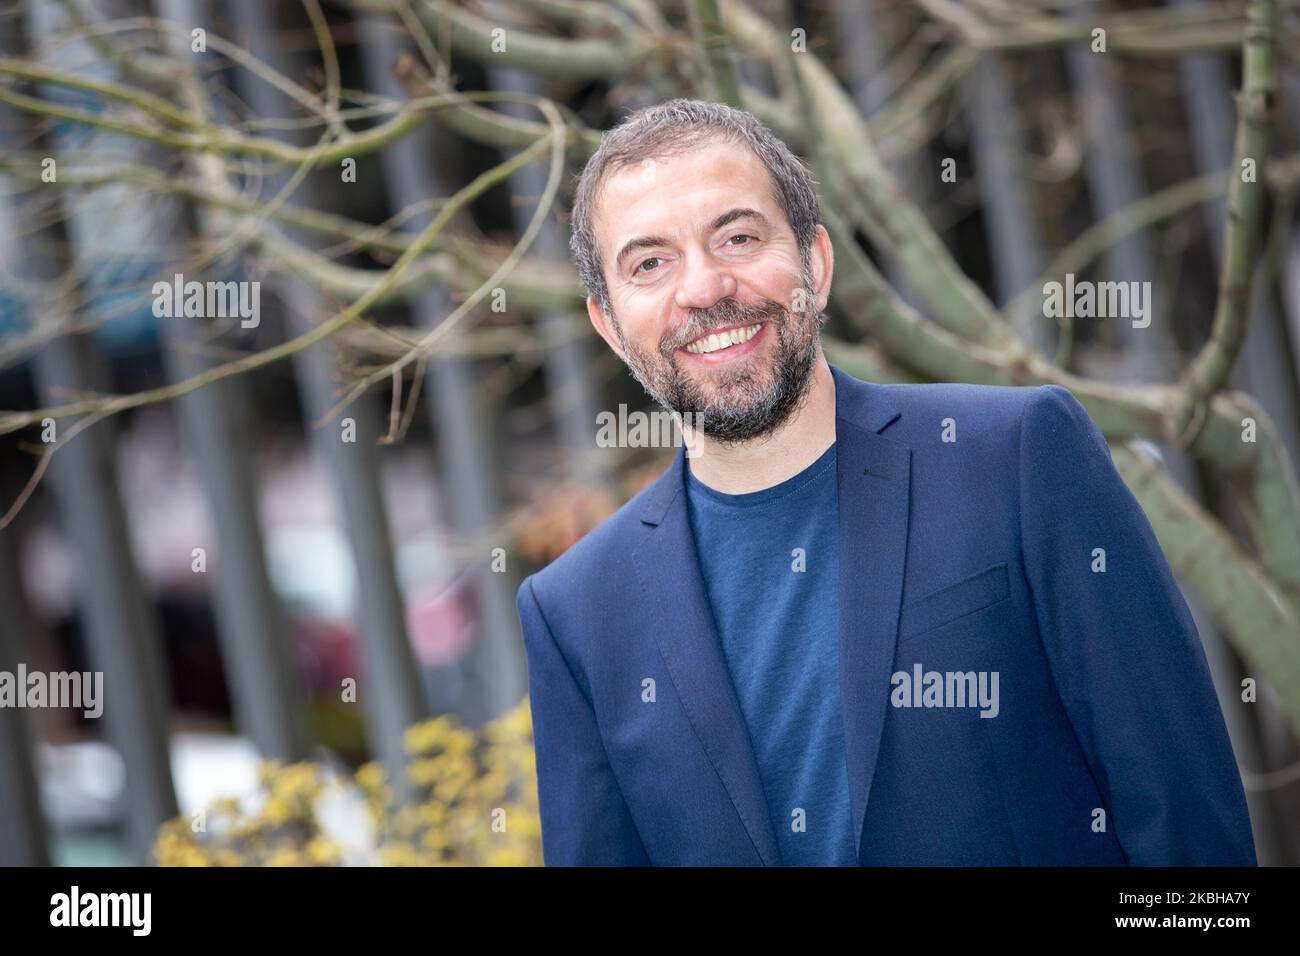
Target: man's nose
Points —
{"points": [[704, 282]]}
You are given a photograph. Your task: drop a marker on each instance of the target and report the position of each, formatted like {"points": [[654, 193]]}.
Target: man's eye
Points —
{"points": [[741, 236], [644, 261]]}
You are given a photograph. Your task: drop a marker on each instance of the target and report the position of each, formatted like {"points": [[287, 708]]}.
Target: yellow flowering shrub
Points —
{"points": [[474, 803]]}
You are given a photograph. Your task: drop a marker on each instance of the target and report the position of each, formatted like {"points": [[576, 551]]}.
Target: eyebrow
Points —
{"points": [[650, 242]]}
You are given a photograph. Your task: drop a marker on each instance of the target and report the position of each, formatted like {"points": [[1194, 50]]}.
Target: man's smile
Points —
{"points": [[723, 345]]}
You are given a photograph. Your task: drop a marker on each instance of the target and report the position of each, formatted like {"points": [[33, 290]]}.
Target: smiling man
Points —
{"points": [[858, 623]]}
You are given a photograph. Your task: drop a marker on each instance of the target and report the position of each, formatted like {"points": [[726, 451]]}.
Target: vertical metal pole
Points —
{"points": [[1011, 223], [1115, 182], [568, 360], [117, 620], [859, 25], [22, 824], [390, 691], [462, 428]]}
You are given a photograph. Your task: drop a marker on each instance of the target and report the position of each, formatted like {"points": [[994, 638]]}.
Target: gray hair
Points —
{"points": [[674, 127]]}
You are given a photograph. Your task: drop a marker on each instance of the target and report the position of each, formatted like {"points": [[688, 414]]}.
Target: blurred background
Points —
{"points": [[290, 536]]}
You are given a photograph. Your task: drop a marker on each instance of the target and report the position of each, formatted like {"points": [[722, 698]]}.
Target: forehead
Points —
{"points": [[676, 195]]}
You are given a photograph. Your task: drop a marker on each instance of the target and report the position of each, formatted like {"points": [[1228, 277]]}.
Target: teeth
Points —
{"points": [[727, 339]]}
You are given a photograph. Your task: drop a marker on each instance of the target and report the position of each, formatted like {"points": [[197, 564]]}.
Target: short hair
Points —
{"points": [[671, 128]]}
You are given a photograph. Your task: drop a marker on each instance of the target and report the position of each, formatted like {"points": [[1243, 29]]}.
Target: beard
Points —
{"points": [[745, 399]]}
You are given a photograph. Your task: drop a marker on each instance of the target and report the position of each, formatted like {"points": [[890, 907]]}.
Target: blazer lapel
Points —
{"points": [[673, 590], [874, 494]]}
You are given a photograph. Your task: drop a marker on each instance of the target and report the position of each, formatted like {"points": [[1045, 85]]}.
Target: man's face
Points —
{"points": [[694, 245]]}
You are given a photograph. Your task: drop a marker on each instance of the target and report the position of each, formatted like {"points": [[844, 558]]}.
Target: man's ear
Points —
{"points": [[823, 265], [604, 327]]}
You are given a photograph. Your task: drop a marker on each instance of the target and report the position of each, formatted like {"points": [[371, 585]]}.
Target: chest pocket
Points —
{"points": [[956, 600]]}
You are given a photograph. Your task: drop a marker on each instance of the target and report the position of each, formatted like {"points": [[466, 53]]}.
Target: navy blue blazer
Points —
{"points": [[976, 555]]}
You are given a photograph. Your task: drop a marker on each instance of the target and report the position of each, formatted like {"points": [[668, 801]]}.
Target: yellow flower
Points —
{"points": [[468, 775], [428, 734], [370, 776], [423, 772], [283, 856], [228, 806], [322, 852], [460, 741], [276, 810]]}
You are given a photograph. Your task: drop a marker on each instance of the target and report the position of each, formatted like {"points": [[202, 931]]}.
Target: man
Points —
{"points": [[859, 623]]}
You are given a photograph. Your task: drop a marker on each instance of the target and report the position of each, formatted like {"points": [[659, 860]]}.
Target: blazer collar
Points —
{"points": [[858, 404], [874, 480]]}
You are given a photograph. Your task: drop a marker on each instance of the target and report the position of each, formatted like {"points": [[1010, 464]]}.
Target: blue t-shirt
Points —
{"points": [[770, 561]]}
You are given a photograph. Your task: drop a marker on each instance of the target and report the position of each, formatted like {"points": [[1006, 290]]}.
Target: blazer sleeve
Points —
{"points": [[585, 821], [1124, 650]]}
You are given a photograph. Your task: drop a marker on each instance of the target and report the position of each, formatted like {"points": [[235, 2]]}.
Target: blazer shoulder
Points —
{"points": [[1057, 422], [996, 408]]}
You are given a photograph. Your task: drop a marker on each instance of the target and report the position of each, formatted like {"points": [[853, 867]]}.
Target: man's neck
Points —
{"points": [[790, 448]]}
